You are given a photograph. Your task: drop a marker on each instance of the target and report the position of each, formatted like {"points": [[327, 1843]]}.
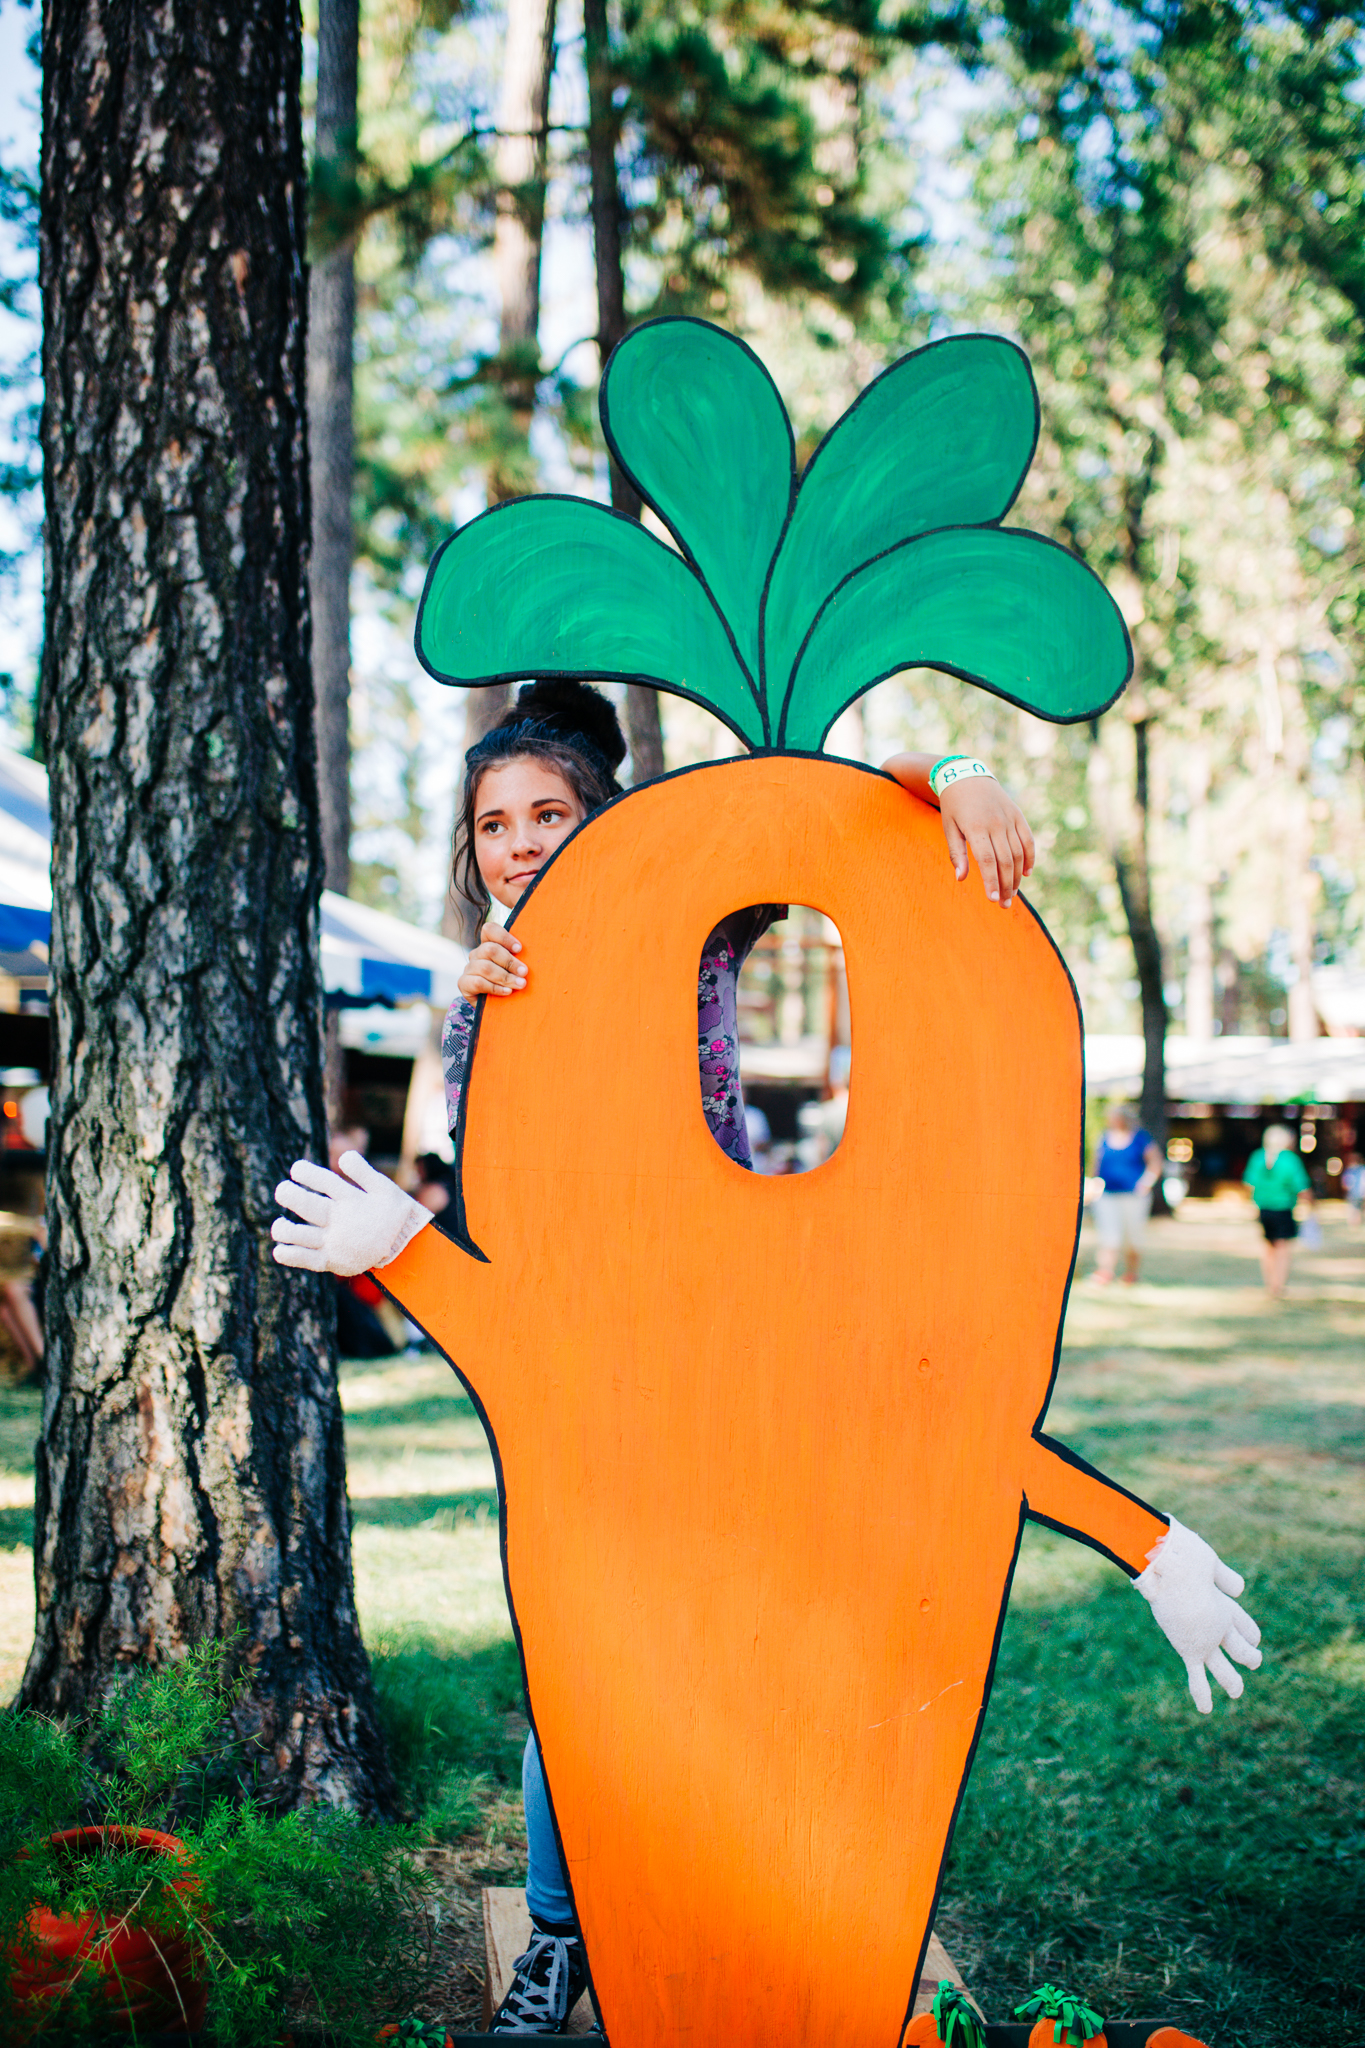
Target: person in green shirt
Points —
{"points": [[1276, 1179]]}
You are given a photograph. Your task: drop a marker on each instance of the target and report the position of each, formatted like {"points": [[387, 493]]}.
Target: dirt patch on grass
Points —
{"points": [[494, 1855]]}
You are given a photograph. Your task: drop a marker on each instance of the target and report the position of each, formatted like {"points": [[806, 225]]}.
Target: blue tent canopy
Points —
{"points": [[365, 953]]}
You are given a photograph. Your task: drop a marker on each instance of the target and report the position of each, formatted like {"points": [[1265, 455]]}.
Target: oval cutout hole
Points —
{"points": [[786, 1013]]}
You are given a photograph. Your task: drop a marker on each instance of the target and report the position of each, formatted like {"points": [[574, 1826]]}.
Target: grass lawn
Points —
{"points": [[1111, 1839]]}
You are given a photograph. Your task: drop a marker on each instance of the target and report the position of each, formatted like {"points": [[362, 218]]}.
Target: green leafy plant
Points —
{"points": [[956, 2019], [1073, 2022], [789, 596], [446, 1726], [313, 1918]]}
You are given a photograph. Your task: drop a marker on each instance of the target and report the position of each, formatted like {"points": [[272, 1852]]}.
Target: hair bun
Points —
{"points": [[570, 707]]}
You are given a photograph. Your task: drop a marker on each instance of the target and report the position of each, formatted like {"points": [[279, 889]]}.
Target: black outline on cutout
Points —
{"points": [[947, 668], [890, 371], [589, 506], [1026, 1513], [793, 481]]}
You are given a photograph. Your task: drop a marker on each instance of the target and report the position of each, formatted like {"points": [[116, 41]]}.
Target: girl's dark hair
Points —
{"points": [[572, 728]]}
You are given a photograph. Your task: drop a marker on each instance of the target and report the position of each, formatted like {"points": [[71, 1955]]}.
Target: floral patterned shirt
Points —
{"points": [[722, 1098]]}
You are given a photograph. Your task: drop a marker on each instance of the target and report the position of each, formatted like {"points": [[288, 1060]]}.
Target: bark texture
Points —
{"points": [[644, 727], [331, 354], [519, 230], [1132, 870], [190, 1472], [1200, 992], [518, 237]]}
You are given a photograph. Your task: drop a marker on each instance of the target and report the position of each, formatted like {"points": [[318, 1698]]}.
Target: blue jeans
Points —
{"points": [[547, 1888]]}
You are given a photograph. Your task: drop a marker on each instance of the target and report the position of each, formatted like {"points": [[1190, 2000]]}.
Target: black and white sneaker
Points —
{"points": [[547, 1983]]}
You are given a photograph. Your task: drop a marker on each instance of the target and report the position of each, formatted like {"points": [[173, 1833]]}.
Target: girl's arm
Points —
{"points": [[978, 817]]}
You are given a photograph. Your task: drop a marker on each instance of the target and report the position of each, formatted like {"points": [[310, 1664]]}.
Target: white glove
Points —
{"points": [[1192, 1594], [349, 1225]]}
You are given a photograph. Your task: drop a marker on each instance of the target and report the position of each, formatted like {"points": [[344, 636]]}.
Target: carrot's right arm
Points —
{"points": [[1066, 1493], [361, 1221], [1191, 1592], [446, 1290]]}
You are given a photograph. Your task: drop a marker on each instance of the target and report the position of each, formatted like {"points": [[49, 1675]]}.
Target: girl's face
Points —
{"points": [[522, 814]]}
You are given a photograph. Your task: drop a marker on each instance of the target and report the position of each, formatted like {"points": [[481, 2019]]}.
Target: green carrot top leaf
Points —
{"points": [[784, 600], [956, 2020], [1074, 2022]]}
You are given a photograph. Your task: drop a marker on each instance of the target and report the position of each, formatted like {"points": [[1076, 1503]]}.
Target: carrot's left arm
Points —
{"points": [[1191, 1592]]}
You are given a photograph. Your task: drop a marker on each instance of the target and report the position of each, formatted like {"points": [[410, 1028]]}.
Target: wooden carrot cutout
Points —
{"points": [[951, 2022], [1062, 2021], [766, 1445]]}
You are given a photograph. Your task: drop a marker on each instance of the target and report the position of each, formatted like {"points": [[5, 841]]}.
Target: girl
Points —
{"points": [[529, 783]]}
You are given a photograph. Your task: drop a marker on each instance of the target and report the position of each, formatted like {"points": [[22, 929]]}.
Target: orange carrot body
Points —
{"points": [[765, 1444]]}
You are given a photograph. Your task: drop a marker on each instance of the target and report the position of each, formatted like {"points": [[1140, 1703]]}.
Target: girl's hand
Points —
{"points": [[493, 968], [980, 816]]}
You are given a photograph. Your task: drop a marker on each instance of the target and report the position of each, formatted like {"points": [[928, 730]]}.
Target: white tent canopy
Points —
{"points": [[364, 952], [1233, 1070]]}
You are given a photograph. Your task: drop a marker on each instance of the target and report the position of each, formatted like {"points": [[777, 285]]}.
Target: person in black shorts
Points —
{"points": [[1276, 1178]]}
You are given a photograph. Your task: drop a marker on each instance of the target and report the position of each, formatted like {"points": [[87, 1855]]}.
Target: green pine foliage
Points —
{"points": [[1171, 209], [312, 1919]]}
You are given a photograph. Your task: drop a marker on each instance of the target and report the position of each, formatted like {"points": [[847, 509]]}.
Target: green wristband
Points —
{"points": [[955, 768]]}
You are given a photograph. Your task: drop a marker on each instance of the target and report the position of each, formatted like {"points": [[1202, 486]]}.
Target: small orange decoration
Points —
{"points": [[154, 1977]]}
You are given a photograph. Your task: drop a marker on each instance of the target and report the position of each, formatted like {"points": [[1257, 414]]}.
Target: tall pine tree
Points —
{"points": [[191, 1476]]}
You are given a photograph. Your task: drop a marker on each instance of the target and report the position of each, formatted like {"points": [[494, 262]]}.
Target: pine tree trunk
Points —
{"points": [[644, 727], [1132, 869], [518, 235], [190, 1474], [482, 710], [1302, 881], [519, 230], [331, 352], [1199, 975]]}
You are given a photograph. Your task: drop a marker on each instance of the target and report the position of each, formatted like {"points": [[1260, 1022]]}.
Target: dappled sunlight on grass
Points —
{"points": [[1161, 1863], [1112, 1838], [1053, 1571], [443, 1585]]}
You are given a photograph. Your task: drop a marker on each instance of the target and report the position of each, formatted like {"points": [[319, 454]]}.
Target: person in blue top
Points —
{"points": [[1276, 1178], [1128, 1163]]}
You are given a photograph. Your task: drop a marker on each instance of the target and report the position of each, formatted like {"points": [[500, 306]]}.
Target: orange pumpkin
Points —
{"points": [[951, 2022], [151, 1977], [1171, 2037], [1063, 2020], [765, 1445]]}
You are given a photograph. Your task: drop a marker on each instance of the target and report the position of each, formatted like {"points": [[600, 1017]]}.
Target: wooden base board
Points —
{"points": [[507, 1931], [938, 1964]]}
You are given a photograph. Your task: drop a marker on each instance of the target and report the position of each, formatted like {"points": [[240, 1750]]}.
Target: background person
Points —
{"points": [[435, 1188], [1276, 1177], [21, 1311], [1353, 1186], [1128, 1163]]}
